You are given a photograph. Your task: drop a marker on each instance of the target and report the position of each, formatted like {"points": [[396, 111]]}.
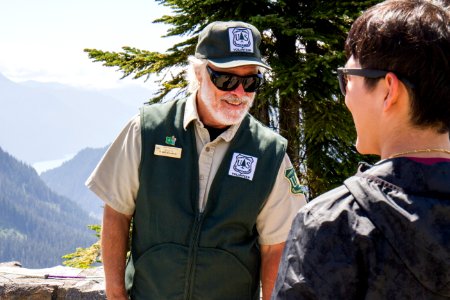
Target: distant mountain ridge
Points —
{"points": [[68, 180], [37, 226], [47, 121]]}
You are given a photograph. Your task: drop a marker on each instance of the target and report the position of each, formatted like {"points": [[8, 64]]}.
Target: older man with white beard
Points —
{"points": [[210, 190]]}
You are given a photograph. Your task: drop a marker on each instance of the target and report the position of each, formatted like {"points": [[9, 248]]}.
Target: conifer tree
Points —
{"points": [[303, 42]]}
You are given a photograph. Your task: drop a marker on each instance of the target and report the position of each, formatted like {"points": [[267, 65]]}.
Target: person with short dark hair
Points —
{"points": [[211, 191], [385, 233]]}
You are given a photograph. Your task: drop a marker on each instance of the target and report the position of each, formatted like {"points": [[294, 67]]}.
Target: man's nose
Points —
{"points": [[239, 91]]}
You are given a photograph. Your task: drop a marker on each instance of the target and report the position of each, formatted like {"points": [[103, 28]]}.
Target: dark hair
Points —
{"points": [[410, 38]]}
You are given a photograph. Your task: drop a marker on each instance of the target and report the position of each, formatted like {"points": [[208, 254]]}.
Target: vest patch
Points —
{"points": [[296, 188], [243, 166], [241, 39], [170, 140]]}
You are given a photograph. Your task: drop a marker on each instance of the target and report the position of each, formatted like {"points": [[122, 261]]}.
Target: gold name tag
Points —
{"points": [[167, 151]]}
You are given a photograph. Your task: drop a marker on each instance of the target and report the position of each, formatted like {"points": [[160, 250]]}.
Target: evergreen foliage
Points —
{"points": [[84, 258], [88, 257], [303, 42], [37, 226]]}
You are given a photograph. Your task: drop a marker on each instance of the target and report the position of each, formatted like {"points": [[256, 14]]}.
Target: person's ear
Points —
{"points": [[392, 83]]}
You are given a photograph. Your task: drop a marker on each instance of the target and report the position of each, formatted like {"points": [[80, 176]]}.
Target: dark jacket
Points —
{"points": [[384, 234]]}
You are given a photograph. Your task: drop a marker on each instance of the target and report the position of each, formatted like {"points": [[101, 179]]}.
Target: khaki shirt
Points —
{"points": [[116, 178]]}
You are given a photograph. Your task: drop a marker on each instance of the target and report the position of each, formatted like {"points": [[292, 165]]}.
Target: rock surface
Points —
{"points": [[57, 283]]}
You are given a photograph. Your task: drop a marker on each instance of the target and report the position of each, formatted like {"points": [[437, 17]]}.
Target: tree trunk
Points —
{"points": [[289, 98], [290, 127], [260, 110]]}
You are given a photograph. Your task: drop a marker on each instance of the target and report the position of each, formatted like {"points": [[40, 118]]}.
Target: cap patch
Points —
{"points": [[241, 39]]}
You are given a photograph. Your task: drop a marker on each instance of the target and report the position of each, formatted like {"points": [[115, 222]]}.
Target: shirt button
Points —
{"points": [[207, 149], [202, 177]]}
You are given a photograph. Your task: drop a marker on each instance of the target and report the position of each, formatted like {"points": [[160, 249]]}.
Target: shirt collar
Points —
{"points": [[191, 114]]}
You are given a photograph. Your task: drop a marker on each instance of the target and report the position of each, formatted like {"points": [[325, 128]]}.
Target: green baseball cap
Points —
{"points": [[230, 44]]}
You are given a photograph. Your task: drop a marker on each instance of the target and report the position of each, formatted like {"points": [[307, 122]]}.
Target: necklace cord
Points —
{"points": [[419, 151]]}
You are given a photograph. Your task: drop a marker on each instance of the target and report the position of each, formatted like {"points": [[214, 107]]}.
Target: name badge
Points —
{"points": [[167, 151]]}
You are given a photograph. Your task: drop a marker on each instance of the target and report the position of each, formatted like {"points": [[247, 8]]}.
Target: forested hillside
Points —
{"points": [[68, 180], [37, 226]]}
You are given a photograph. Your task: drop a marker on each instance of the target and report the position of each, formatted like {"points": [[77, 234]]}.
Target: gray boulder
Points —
{"points": [[57, 283]]}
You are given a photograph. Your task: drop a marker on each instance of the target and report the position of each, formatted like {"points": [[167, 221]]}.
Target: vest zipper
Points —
{"points": [[193, 255]]}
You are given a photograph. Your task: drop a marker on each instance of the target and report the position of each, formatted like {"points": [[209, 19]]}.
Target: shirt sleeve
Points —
{"points": [[116, 178], [274, 220]]}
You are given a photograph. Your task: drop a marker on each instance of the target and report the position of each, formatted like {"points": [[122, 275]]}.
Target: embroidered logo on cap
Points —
{"points": [[241, 39], [243, 166]]}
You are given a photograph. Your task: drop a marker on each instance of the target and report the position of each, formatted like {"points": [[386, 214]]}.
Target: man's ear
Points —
{"points": [[392, 83]]}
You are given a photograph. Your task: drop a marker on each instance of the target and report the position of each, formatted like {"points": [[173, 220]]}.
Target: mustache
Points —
{"points": [[236, 100]]}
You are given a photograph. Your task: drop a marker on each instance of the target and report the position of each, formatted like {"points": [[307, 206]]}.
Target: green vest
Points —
{"points": [[179, 252]]}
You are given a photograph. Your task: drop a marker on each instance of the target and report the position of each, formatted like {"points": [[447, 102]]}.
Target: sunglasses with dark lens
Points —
{"points": [[369, 73], [229, 82]]}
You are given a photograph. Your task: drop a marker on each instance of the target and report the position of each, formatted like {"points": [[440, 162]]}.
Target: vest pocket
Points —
{"points": [[219, 275], [160, 273]]}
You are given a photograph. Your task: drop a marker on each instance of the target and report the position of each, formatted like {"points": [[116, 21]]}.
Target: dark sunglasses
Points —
{"points": [[368, 73], [229, 82]]}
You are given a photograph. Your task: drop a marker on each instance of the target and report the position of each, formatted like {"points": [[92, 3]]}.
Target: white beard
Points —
{"points": [[217, 109]]}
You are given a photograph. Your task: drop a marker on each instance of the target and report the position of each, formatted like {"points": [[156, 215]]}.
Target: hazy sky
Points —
{"points": [[43, 40]]}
